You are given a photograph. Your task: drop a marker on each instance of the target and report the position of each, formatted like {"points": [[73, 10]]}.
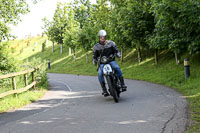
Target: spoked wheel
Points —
{"points": [[117, 85], [112, 89], [118, 93]]}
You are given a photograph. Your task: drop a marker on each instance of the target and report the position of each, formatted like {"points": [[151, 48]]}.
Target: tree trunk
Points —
{"points": [[47, 42], [70, 51], [87, 58], [156, 56], [139, 55], [177, 57], [74, 54], [53, 47], [61, 48], [122, 56]]}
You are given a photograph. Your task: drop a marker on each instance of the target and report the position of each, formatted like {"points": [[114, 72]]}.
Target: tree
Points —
{"points": [[82, 9], [118, 25], [7, 63], [59, 24], [101, 14], [87, 38], [71, 31], [87, 35], [49, 31], [134, 23], [10, 13], [177, 26], [165, 32]]}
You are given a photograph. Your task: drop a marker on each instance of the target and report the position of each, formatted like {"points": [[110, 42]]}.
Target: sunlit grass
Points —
{"points": [[13, 102], [129, 54]]}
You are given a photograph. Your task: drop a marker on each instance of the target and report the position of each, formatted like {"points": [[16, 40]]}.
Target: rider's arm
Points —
{"points": [[94, 56], [116, 51]]}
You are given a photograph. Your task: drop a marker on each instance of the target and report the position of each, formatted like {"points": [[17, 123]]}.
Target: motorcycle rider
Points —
{"points": [[106, 48]]}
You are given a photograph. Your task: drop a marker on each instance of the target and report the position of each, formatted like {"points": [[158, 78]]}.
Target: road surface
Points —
{"points": [[74, 104]]}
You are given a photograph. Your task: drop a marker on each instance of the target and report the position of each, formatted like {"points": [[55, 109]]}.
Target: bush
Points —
{"points": [[7, 62], [41, 74]]}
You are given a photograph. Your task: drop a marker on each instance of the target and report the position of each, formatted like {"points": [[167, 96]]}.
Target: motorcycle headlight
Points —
{"points": [[104, 59]]}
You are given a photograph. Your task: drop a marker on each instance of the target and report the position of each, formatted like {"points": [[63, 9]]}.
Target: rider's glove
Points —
{"points": [[118, 55], [95, 62]]}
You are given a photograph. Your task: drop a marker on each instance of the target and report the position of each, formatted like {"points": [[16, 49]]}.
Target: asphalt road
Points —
{"points": [[74, 104]]}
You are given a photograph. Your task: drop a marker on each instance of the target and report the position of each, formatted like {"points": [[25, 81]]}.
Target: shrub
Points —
{"points": [[41, 74]]}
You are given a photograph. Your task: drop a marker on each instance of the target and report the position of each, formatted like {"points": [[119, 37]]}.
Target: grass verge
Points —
{"points": [[12, 102]]}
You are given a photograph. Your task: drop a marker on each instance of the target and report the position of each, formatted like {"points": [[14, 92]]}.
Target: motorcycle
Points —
{"points": [[114, 86]]}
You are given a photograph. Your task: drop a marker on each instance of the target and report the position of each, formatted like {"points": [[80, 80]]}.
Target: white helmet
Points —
{"points": [[102, 33]]}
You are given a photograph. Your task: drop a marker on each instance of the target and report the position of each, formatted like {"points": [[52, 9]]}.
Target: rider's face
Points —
{"points": [[102, 39]]}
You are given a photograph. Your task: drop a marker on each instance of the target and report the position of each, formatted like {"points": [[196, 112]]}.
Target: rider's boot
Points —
{"points": [[122, 84], [105, 92]]}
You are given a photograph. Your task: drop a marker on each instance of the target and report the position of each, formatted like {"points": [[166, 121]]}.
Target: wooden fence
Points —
{"points": [[27, 87]]}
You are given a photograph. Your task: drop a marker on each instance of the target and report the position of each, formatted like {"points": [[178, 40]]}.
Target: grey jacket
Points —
{"points": [[105, 50]]}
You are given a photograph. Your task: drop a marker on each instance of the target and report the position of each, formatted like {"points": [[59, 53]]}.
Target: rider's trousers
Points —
{"points": [[114, 65]]}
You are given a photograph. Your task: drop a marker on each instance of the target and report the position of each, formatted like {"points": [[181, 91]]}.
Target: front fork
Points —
{"points": [[114, 81], [109, 81]]}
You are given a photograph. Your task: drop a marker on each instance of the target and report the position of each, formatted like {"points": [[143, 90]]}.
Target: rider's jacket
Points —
{"points": [[104, 49]]}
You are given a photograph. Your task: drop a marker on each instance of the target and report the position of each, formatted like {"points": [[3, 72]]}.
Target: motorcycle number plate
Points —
{"points": [[107, 69]]}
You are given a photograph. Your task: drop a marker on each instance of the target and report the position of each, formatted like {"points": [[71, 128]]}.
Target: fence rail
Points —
{"points": [[27, 87]]}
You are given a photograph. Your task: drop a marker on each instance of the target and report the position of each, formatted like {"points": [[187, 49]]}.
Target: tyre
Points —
{"points": [[112, 89], [117, 86]]}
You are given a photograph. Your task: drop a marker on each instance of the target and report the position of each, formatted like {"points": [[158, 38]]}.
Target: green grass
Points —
{"points": [[34, 47], [166, 72], [12, 102]]}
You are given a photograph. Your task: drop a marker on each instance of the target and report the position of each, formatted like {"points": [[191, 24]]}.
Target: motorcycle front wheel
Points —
{"points": [[112, 89]]}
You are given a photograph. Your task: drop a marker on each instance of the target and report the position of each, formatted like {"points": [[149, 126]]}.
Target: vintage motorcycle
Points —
{"points": [[111, 78]]}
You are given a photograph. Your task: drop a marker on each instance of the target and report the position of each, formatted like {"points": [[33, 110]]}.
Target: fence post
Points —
{"points": [[14, 85], [33, 78]]}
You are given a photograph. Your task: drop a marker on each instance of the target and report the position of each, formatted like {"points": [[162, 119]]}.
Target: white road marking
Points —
{"points": [[67, 86]]}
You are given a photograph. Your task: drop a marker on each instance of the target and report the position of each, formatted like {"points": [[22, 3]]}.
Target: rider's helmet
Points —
{"points": [[102, 33]]}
